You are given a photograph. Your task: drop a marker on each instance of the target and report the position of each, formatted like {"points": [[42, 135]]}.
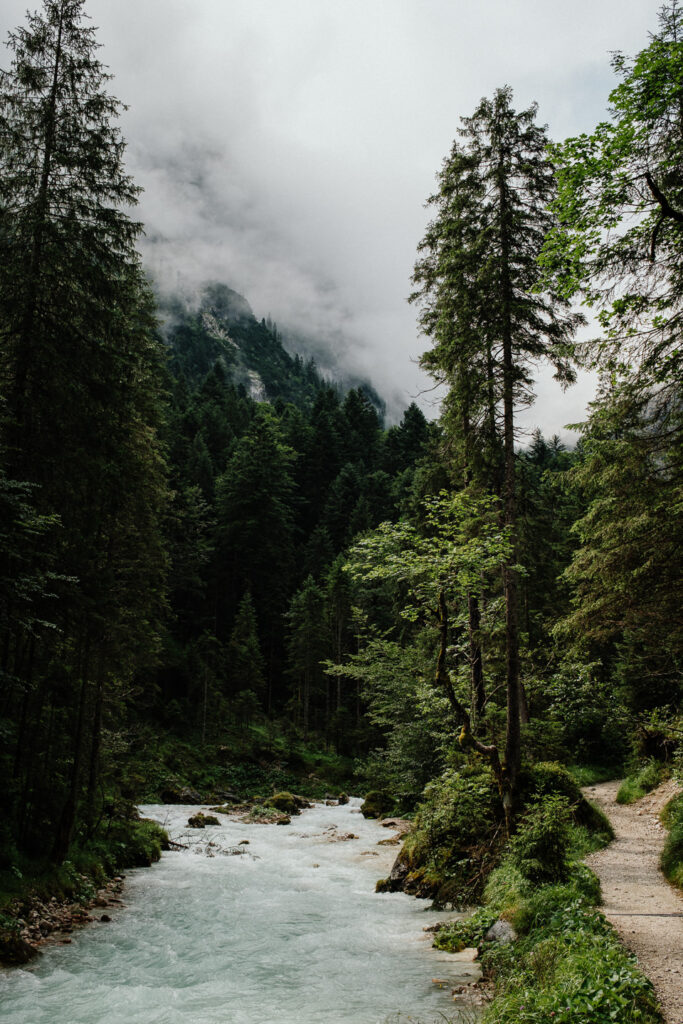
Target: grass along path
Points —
{"points": [[646, 911]]}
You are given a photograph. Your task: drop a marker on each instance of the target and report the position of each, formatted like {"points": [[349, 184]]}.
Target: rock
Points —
{"points": [[105, 918], [185, 795], [342, 799], [376, 804], [402, 825], [284, 802], [266, 816], [397, 877], [15, 950], [243, 842], [196, 821], [501, 932], [399, 872], [288, 803]]}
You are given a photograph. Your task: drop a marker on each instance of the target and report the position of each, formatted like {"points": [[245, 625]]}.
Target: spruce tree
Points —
{"points": [[80, 367], [477, 283]]}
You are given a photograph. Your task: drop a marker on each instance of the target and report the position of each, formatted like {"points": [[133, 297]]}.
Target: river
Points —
{"points": [[282, 929]]}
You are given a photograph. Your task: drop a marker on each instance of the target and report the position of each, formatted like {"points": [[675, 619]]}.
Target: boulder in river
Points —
{"points": [[182, 795], [376, 804], [202, 820]]}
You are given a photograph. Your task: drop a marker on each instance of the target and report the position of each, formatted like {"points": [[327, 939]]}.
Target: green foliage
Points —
{"points": [[459, 935], [672, 854], [568, 964], [583, 703], [644, 781], [540, 845], [457, 834]]}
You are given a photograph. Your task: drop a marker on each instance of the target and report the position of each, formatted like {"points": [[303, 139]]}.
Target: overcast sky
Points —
{"points": [[287, 147]]}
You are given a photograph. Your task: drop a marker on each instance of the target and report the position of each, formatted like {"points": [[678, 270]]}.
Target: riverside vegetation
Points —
{"points": [[226, 580]]}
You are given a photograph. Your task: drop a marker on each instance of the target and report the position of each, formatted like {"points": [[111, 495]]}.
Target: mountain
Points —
{"points": [[222, 328]]}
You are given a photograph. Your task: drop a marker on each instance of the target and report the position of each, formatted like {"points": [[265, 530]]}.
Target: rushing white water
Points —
{"points": [[284, 930]]}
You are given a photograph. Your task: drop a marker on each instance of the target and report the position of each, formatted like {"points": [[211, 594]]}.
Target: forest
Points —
{"points": [[224, 573]]}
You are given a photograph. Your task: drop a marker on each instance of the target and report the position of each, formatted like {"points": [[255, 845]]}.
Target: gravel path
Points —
{"points": [[646, 911]]}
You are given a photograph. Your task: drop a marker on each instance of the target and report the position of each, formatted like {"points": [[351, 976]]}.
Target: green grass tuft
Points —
{"points": [[637, 786]]}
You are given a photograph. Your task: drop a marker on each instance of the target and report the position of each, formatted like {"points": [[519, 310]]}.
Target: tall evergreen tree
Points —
{"points": [[477, 284], [80, 367]]}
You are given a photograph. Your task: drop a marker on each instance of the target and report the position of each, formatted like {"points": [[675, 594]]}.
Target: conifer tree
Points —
{"points": [[477, 279], [80, 367]]}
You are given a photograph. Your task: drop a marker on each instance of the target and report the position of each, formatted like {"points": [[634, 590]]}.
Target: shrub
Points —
{"points": [[672, 854], [457, 836], [547, 778], [540, 847]]}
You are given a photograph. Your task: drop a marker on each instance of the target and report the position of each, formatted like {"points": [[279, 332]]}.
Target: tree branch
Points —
{"points": [[666, 207]]}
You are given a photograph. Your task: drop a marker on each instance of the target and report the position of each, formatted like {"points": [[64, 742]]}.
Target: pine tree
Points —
{"points": [[80, 365], [306, 648], [246, 667], [477, 282]]}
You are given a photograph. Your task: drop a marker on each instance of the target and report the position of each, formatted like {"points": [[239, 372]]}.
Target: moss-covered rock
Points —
{"points": [[288, 803], [284, 802], [343, 798], [180, 795], [376, 804], [264, 814]]}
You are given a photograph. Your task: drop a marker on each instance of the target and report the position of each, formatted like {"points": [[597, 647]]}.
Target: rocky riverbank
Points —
{"points": [[32, 923]]}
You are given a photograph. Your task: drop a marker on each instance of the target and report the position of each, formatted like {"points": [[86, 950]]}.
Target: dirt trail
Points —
{"points": [[646, 911]]}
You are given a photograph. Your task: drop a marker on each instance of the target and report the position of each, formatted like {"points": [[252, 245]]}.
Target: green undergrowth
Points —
{"points": [[672, 854], [458, 836], [591, 774], [641, 782], [118, 845], [258, 760], [567, 965]]}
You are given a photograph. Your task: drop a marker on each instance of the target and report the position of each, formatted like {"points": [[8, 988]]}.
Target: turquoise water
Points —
{"points": [[287, 931]]}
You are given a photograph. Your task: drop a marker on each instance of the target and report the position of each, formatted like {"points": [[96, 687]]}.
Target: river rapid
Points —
{"points": [[283, 929]]}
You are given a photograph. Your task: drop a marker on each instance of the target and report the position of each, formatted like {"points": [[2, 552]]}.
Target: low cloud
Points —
{"points": [[288, 149]]}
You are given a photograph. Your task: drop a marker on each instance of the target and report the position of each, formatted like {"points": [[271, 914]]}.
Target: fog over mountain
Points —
{"points": [[288, 148]]}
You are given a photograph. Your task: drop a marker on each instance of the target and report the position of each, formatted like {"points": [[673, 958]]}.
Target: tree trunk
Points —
{"points": [[476, 661], [513, 732], [65, 826], [25, 353]]}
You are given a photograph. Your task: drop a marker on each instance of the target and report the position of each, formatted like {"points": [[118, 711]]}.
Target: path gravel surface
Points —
{"points": [[646, 911]]}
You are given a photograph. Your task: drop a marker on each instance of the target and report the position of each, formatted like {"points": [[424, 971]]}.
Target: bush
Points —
{"points": [[672, 854], [457, 836], [547, 778], [540, 847]]}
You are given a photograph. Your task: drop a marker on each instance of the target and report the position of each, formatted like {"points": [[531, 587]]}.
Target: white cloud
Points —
{"points": [[287, 146]]}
